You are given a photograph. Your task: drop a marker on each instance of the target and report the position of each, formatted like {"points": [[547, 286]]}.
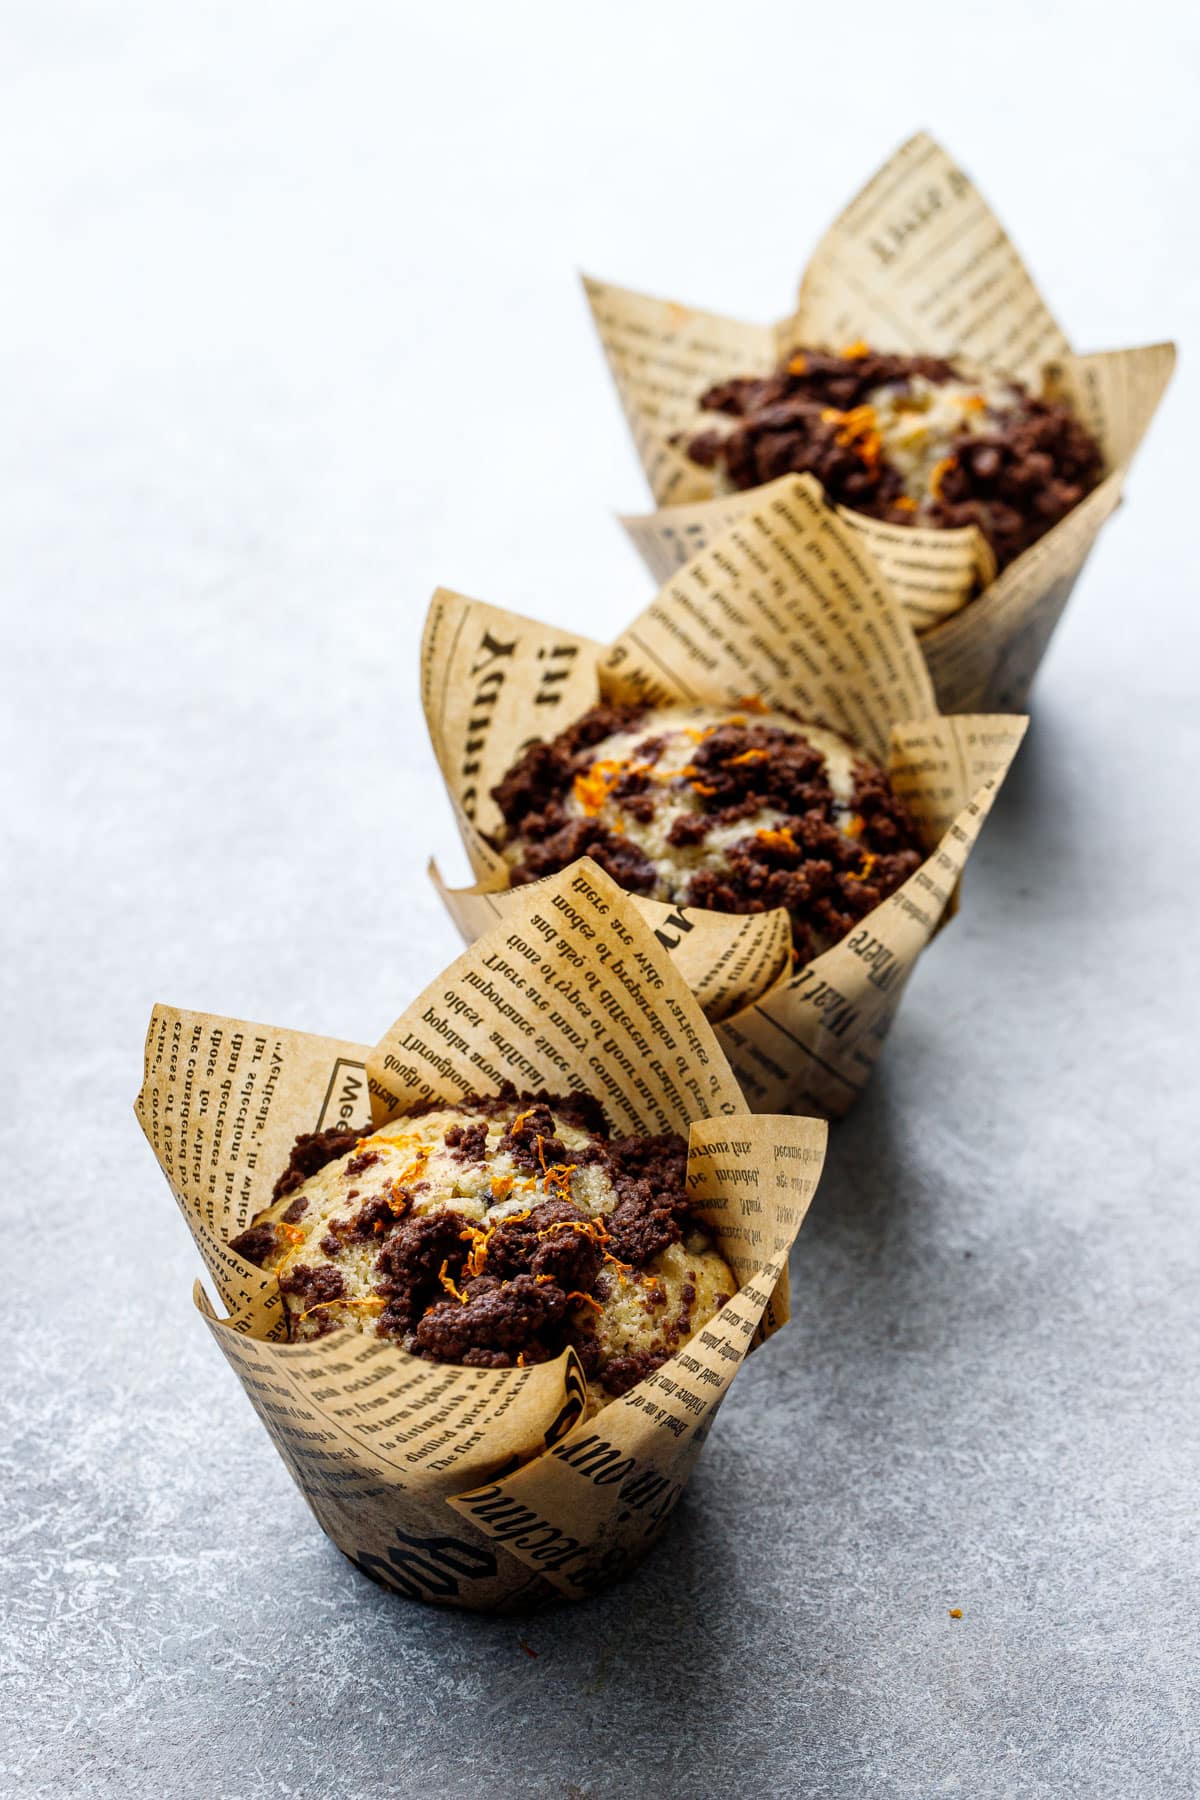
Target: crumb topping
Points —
{"points": [[914, 440], [494, 1233], [738, 812]]}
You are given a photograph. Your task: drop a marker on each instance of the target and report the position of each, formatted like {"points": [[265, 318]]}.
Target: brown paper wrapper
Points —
{"points": [[787, 607], [917, 262], [482, 1488]]}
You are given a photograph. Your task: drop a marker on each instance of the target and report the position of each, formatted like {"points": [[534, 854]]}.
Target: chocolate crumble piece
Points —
{"points": [[376, 1216], [255, 1244], [689, 829], [316, 1289], [555, 840], [313, 1286], [366, 1159], [468, 1142], [1026, 475], [496, 1316], [531, 1142], [409, 1265], [649, 1175], [624, 1372], [543, 766], [640, 1227], [310, 1153], [826, 880], [296, 1210], [547, 1244], [580, 1109]]}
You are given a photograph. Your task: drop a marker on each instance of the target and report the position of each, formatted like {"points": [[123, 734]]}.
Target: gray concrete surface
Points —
{"points": [[241, 443]]}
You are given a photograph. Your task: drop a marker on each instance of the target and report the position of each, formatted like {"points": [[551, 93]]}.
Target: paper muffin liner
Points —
{"points": [[787, 609], [482, 1488], [917, 263]]}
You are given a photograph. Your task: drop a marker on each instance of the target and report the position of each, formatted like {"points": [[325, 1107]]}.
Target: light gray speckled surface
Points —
{"points": [[244, 260]]}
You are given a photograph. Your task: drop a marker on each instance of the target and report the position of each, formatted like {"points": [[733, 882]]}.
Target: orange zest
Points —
{"points": [[593, 787], [480, 1236], [447, 1282], [868, 863], [582, 1299], [397, 1201], [856, 351], [940, 471], [905, 503], [858, 430], [414, 1171], [798, 364], [558, 1176], [502, 1186], [753, 703], [855, 825], [595, 1229], [381, 1145], [777, 840], [477, 1236], [747, 756]]}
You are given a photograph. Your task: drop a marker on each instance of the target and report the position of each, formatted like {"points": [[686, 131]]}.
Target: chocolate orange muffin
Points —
{"points": [[494, 1232], [914, 440], [734, 811]]}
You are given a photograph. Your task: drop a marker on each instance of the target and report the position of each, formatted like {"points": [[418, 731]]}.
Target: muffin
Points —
{"points": [[913, 440], [494, 1232], [734, 811]]}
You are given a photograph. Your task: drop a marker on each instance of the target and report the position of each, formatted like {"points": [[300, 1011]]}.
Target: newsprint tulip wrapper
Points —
{"points": [[917, 264], [786, 609], [481, 1487]]}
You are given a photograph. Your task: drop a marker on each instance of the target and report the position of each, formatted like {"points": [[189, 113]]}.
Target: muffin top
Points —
{"points": [[734, 811], [914, 440], [494, 1232]]}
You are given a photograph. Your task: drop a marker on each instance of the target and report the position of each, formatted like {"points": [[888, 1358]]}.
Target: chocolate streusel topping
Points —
{"points": [[1021, 466], [826, 862], [515, 1292], [444, 1254], [255, 1244], [543, 766], [310, 1153]]}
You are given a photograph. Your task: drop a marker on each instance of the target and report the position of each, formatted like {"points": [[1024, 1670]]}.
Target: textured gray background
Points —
{"points": [[289, 331]]}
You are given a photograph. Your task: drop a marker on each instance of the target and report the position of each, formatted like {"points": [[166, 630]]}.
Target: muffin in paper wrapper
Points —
{"points": [[917, 263], [787, 608], [483, 1488]]}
